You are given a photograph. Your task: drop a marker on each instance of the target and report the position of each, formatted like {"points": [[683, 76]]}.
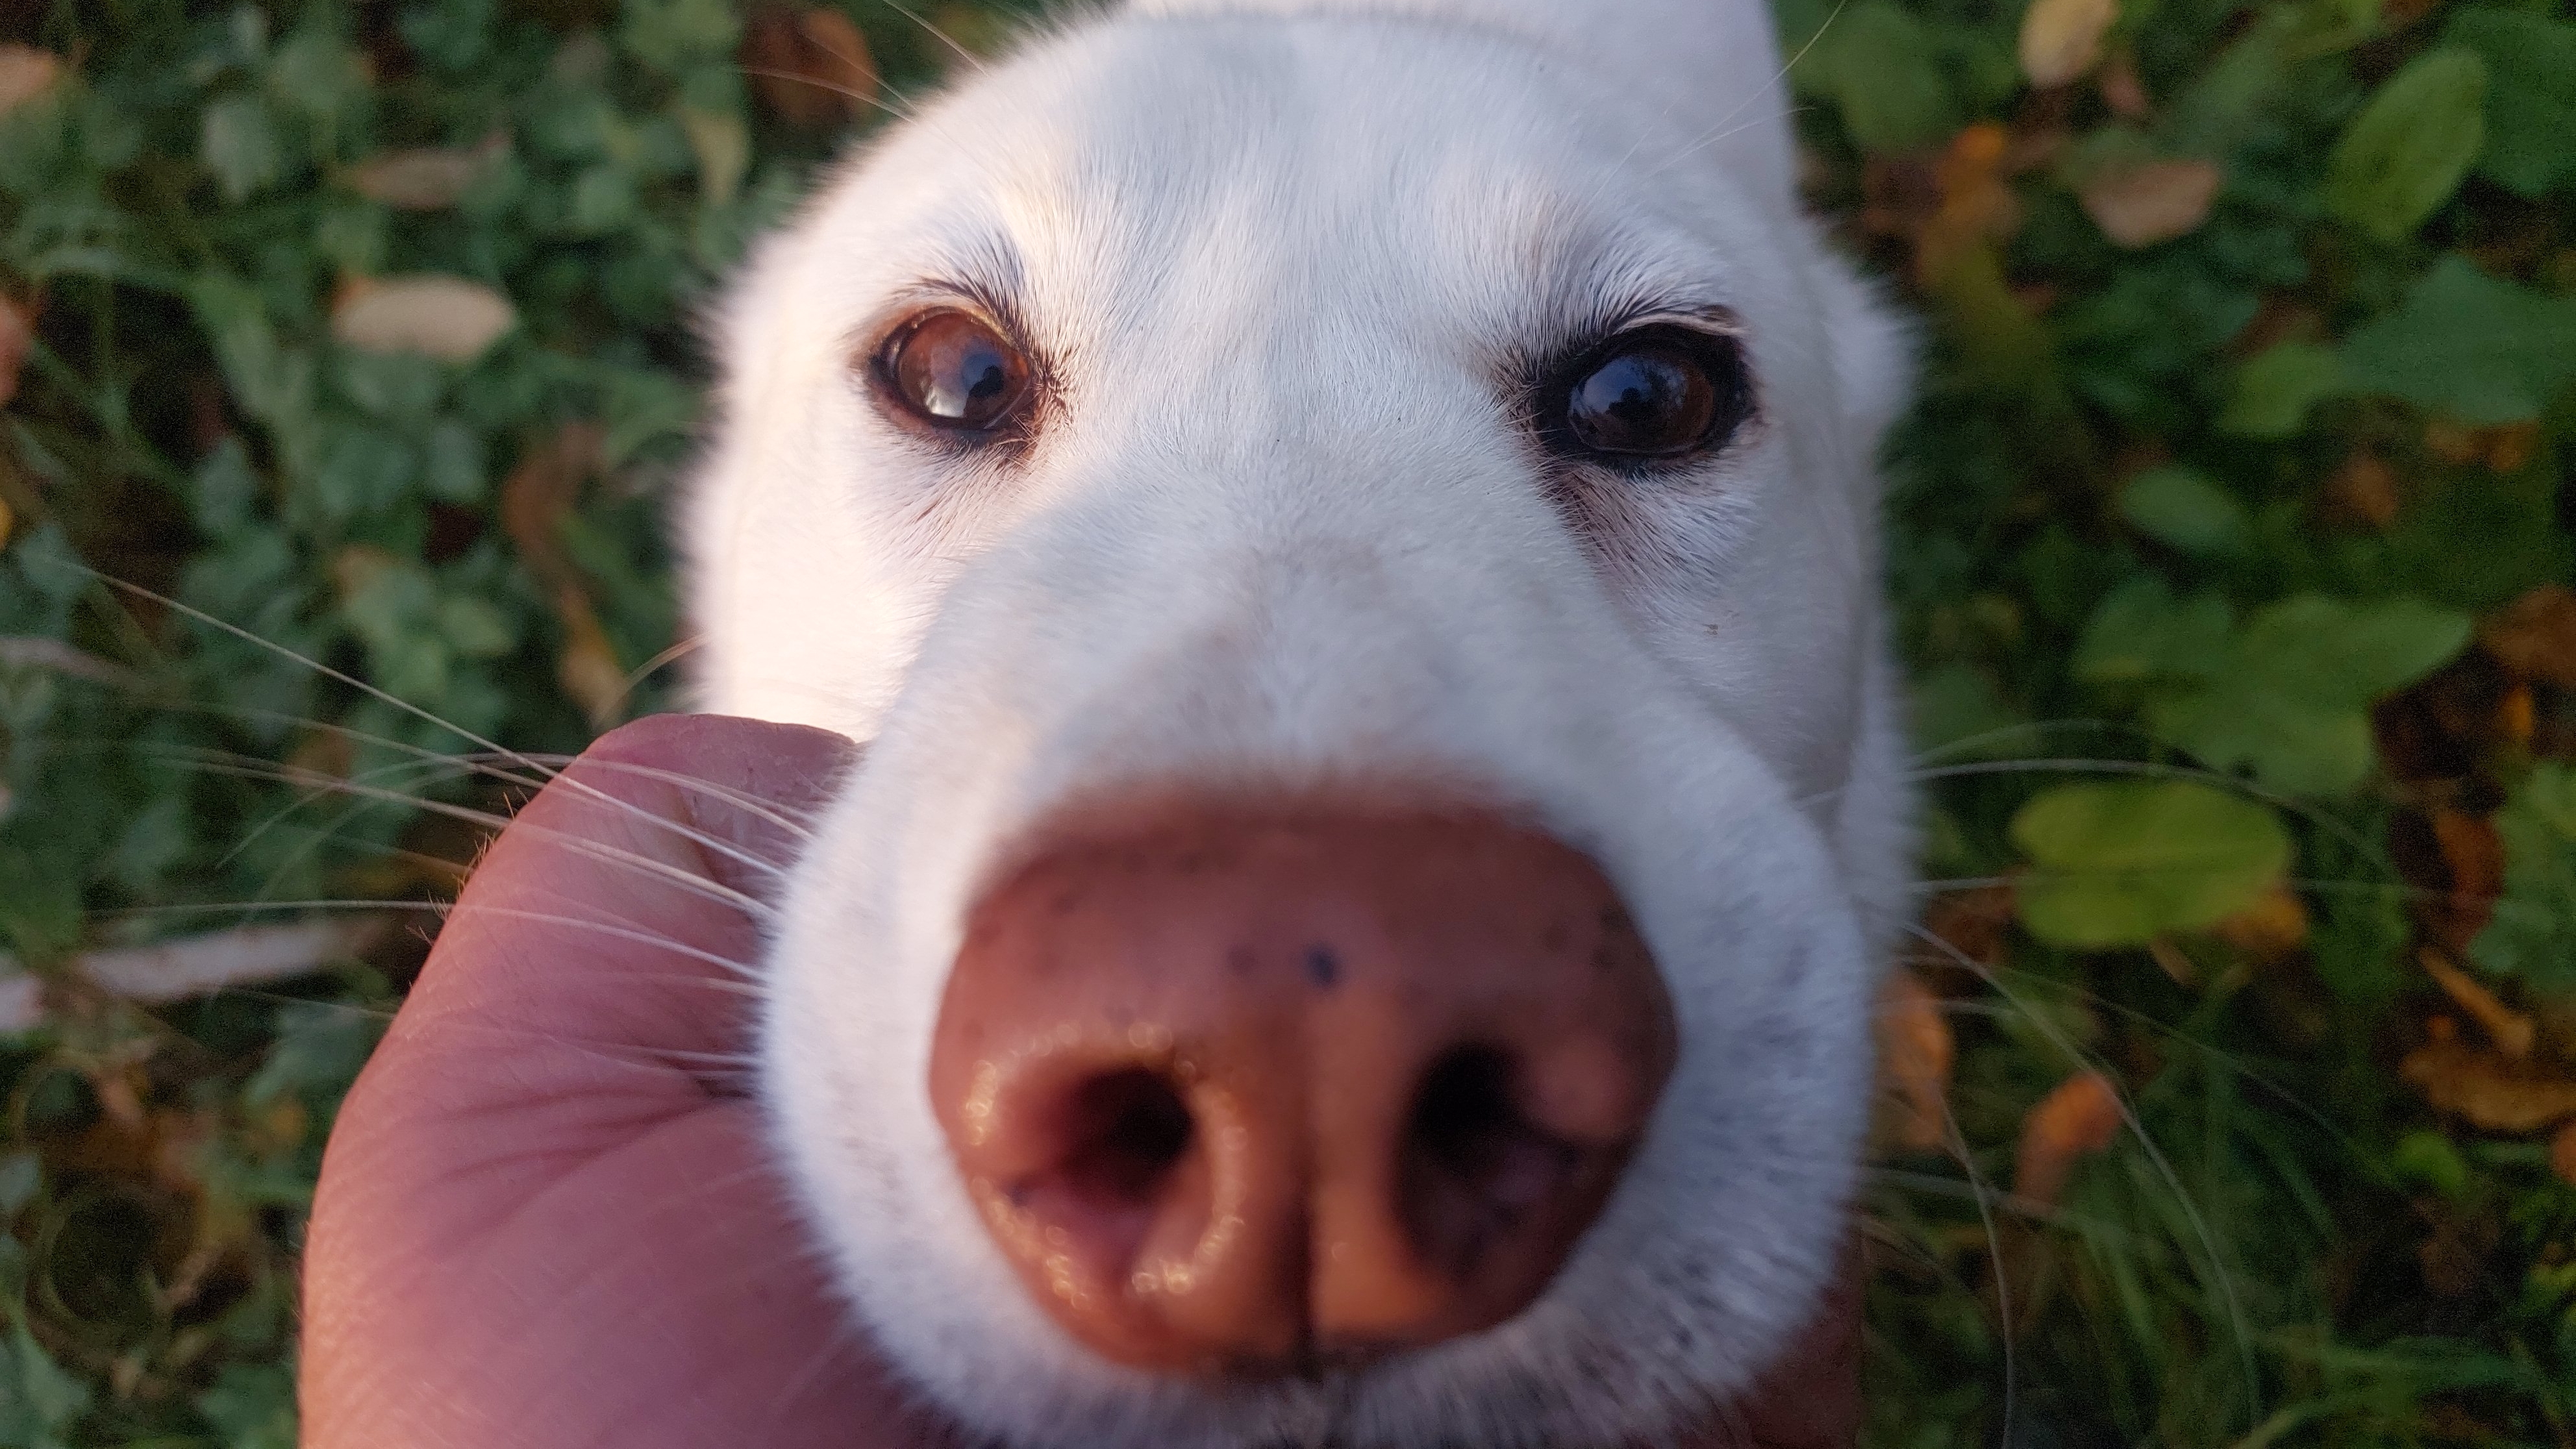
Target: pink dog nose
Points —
{"points": [[1243, 1093]]}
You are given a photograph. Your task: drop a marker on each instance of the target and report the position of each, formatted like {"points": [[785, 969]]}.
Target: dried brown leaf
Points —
{"points": [[17, 339], [2364, 490], [2122, 91], [2473, 864], [1975, 204], [535, 499], [25, 74], [2510, 1030], [426, 178], [2517, 717], [2080, 1117], [2062, 39], [2535, 636], [809, 68], [540, 493], [1973, 921], [448, 318], [1917, 1051], [2151, 202], [588, 669], [2488, 1089]]}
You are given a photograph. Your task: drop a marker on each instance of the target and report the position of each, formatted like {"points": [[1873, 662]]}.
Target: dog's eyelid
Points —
{"points": [[1710, 321]]}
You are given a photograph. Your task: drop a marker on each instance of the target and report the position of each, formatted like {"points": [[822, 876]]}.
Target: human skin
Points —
{"points": [[549, 1216]]}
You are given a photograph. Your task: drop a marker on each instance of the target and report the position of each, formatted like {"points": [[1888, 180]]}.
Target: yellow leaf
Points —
{"points": [[2062, 39], [2155, 201], [448, 318], [2269, 929]]}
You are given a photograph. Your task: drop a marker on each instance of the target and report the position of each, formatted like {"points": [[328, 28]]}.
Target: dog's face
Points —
{"points": [[1298, 417]]}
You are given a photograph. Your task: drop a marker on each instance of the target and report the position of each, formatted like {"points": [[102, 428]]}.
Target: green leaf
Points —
{"points": [[2122, 864], [2140, 632], [2408, 150], [2531, 95], [2289, 699], [672, 35], [320, 1047], [2428, 1159], [2465, 344], [722, 144], [42, 1400], [2533, 932], [1956, 716], [2184, 509], [2337, 652], [238, 140], [2276, 387], [22, 1176], [252, 1407], [1878, 64]]}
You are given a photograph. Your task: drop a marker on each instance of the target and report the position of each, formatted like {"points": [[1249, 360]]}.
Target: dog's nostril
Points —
{"points": [[1475, 1166], [1125, 1132]]}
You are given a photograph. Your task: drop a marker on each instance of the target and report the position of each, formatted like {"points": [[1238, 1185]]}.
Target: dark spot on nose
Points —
{"points": [[1323, 967]]}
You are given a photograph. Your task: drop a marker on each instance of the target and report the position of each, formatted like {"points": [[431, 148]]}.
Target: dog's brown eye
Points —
{"points": [[1657, 393], [955, 371]]}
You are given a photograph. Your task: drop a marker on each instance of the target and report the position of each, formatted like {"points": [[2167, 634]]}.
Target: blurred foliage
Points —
{"points": [[2232, 541]]}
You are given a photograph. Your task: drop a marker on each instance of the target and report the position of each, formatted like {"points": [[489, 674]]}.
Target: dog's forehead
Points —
{"points": [[1226, 177]]}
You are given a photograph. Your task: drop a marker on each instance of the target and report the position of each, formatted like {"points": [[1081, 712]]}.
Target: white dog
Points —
{"points": [[1231, 400]]}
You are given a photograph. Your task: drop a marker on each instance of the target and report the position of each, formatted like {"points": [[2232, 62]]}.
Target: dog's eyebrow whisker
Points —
{"points": [[890, 108], [974, 63], [1726, 125]]}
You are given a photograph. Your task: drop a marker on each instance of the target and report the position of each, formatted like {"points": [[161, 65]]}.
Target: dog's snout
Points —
{"points": [[1259, 1091]]}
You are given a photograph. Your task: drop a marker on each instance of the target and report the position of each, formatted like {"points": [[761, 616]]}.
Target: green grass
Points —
{"points": [[2194, 542]]}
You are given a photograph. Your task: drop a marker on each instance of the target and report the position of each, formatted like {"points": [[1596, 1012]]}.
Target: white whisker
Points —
{"points": [[2217, 1275]]}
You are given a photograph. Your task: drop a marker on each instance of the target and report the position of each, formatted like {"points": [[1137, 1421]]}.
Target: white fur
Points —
{"points": [[1284, 527]]}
